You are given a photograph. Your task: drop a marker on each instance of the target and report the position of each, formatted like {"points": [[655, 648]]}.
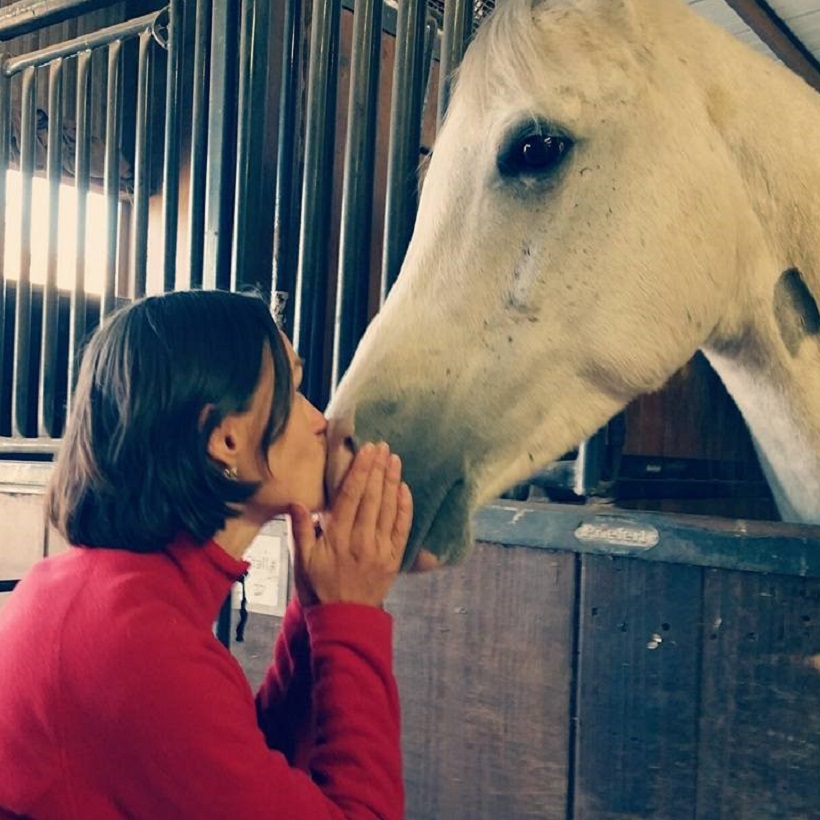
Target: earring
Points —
{"points": [[231, 473]]}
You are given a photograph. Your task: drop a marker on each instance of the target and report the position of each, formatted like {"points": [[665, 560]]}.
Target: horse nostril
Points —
{"points": [[351, 444]]}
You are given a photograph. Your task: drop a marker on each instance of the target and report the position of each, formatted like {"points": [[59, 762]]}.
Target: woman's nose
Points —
{"points": [[319, 421]]}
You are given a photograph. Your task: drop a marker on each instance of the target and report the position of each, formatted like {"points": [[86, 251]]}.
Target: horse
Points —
{"points": [[617, 184]]}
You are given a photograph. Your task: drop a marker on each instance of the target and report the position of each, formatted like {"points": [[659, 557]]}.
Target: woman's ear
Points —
{"points": [[223, 443]]}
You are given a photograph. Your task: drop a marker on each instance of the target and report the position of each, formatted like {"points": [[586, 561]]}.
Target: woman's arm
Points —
{"points": [[184, 740], [283, 703], [352, 647]]}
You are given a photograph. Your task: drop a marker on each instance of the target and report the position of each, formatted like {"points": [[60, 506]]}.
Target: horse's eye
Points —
{"points": [[534, 154]]}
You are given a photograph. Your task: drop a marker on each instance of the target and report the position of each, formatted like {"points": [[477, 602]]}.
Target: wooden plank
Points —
{"points": [[483, 659], [637, 693], [760, 721], [755, 546]]}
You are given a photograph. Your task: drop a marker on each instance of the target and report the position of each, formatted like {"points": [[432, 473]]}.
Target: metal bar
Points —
{"points": [[430, 40], [357, 192], [90, 41], [141, 164], [124, 223], [26, 16], [764, 21], [170, 166], [221, 116], [22, 314], [199, 142], [457, 24], [286, 194], [29, 446], [312, 268], [253, 76], [111, 177], [47, 421], [5, 121], [82, 167], [590, 463], [405, 130]]}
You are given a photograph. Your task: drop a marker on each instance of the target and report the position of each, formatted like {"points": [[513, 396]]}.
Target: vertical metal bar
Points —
{"points": [[141, 164], [284, 219], [221, 134], [405, 131], [357, 193], [312, 269], [253, 76], [199, 141], [430, 34], [82, 167], [5, 119], [111, 176], [170, 177], [124, 222], [22, 315], [590, 463], [47, 422], [457, 29]]}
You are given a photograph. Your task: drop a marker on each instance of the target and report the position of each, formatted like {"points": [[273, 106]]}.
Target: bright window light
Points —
{"points": [[95, 250]]}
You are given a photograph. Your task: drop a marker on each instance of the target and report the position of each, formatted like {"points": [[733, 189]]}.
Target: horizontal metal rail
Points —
{"points": [[85, 42], [31, 15]]}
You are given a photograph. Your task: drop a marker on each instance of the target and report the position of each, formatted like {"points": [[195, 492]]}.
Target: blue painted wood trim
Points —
{"points": [[750, 546]]}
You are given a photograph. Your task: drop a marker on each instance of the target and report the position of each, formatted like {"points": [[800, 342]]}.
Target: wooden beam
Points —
{"points": [[764, 22]]}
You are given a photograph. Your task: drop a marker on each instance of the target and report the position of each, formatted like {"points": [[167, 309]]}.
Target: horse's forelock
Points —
{"points": [[514, 38], [506, 39]]}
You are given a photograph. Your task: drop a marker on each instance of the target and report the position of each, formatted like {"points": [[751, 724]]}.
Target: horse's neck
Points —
{"points": [[769, 119], [767, 350], [785, 431]]}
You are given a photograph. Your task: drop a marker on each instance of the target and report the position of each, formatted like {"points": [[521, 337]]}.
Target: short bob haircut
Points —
{"points": [[156, 379]]}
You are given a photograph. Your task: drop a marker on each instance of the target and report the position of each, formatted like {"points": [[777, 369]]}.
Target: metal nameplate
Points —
{"points": [[618, 533]]}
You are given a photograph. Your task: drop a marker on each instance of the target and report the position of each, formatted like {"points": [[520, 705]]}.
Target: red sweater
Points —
{"points": [[116, 700]]}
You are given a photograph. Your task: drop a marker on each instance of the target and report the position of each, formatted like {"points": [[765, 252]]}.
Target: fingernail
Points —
{"points": [[384, 451], [394, 466], [367, 449]]}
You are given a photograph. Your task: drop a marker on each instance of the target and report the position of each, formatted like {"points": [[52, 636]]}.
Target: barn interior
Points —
{"points": [[635, 633]]}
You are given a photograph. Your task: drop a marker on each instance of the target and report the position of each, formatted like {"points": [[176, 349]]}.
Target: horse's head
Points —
{"points": [[574, 245]]}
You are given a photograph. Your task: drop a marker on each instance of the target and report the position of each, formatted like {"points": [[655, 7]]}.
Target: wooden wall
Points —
{"points": [[543, 683]]}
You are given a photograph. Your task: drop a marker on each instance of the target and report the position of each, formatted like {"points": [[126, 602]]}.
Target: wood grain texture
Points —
{"points": [[760, 715], [637, 694], [483, 659]]}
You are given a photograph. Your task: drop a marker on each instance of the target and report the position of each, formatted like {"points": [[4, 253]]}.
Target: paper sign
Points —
{"points": [[266, 584]]}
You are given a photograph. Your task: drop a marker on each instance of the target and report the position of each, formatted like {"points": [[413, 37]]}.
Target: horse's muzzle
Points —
{"points": [[341, 448]]}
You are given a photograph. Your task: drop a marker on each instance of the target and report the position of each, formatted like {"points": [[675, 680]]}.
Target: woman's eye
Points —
{"points": [[534, 154]]}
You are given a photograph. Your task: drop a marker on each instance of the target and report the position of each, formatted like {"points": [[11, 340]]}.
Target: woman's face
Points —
{"points": [[295, 460]]}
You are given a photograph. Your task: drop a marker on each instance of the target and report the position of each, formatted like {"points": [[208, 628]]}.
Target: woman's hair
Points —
{"points": [[156, 379]]}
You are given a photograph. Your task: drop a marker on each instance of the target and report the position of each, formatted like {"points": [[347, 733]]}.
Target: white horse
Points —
{"points": [[618, 183]]}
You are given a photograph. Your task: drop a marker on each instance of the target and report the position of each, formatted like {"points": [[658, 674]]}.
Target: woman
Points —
{"points": [[187, 434]]}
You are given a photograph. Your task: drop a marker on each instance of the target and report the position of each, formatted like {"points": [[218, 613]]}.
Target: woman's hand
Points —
{"points": [[356, 553]]}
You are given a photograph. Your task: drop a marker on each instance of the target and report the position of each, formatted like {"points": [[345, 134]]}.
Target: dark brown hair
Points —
{"points": [[156, 379]]}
